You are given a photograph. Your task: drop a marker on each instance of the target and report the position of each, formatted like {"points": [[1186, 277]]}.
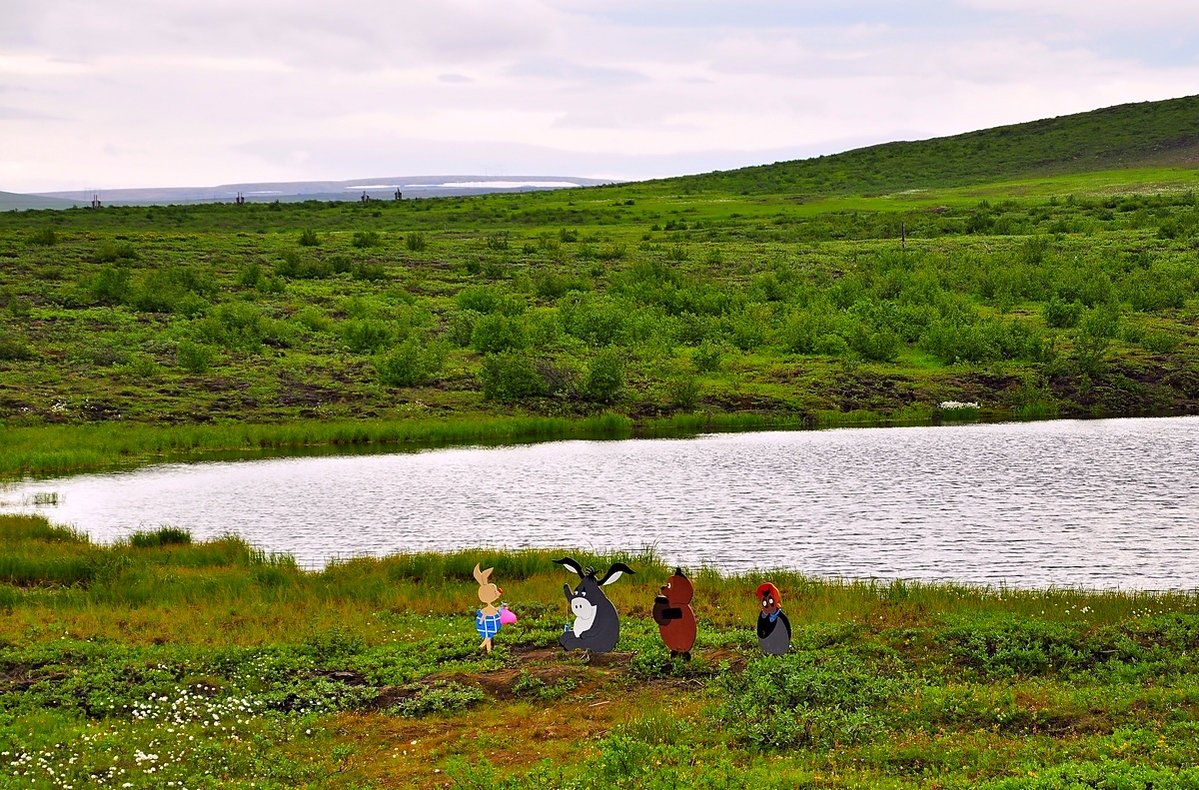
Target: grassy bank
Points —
{"points": [[49, 450], [161, 661]]}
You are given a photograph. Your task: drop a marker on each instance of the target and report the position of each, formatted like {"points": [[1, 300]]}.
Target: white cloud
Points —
{"points": [[143, 93], [1108, 15]]}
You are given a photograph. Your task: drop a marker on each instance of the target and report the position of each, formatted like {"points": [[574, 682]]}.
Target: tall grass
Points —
{"points": [[60, 449], [166, 568]]}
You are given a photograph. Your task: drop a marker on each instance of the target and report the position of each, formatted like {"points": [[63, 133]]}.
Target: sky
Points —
{"points": [[142, 93]]}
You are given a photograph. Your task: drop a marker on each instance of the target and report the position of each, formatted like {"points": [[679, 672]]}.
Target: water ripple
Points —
{"points": [[1110, 503]]}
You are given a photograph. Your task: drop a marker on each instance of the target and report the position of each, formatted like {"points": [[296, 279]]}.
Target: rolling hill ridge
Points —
{"points": [[1145, 134]]}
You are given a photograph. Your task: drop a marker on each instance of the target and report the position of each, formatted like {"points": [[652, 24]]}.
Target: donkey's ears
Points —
{"points": [[570, 564], [615, 572]]}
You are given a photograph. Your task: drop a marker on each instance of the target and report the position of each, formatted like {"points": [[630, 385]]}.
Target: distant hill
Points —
{"points": [[1161, 133], [13, 200], [377, 188]]}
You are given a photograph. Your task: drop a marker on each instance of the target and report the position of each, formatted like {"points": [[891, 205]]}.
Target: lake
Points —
{"points": [[1098, 504]]}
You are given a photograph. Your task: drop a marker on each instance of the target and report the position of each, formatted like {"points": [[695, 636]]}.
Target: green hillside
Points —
{"points": [[1147, 134], [133, 333]]}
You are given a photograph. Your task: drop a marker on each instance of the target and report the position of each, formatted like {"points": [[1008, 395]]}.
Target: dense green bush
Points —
{"points": [[509, 377], [605, 376], [243, 326], [294, 267], [14, 348], [45, 237], [594, 318], [411, 363], [193, 357], [111, 285], [112, 252], [489, 299], [495, 332], [1061, 314], [366, 336], [366, 238]]}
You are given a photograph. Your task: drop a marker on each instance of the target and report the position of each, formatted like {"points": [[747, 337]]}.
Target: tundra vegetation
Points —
{"points": [[1041, 270], [1047, 269], [159, 661]]}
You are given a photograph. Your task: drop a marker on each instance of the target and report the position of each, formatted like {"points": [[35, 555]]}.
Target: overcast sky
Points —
{"points": [[129, 93]]}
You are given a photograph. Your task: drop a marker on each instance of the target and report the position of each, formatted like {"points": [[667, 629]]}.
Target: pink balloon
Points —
{"points": [[506, 616]]}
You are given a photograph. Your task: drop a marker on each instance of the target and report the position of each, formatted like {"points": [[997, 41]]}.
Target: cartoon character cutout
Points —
{"points": [[774, 629], [597, 625], [674, 616], [489, 619]]}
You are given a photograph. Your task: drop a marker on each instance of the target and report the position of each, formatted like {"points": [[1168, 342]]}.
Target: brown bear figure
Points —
{"points": [[673, 614]]}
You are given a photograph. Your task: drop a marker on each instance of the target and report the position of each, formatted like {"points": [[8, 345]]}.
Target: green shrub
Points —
{"points": [[107, 352], [370, 271], [1103, 321], [111, 252], [45, 237], [411, 363], [1061, 314], [366, 238], [509, 377], [802, 328], [553, 285], [13, 348], [313, 319], [605, 377], [489, 299], [366, 336], [415, 242], [595, 319], [19, 306], [241, 326], [1161, 342], [683, 392], [249, 275], [293, 267], [182, 290], [708, 356], [831, 345], [461, 327], [875, 344], [309, 238], [495, 332], [111, 285], [193, 357]]}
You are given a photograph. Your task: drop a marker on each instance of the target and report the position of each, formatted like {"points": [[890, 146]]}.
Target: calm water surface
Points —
{"points": [[1111, 503]]}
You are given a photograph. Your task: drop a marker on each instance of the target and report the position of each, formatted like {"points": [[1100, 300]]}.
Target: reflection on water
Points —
{"points": [[1099, 504]]}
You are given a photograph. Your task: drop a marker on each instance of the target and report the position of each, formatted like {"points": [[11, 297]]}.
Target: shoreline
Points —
{"points": [[165, 661], [61, 450]]}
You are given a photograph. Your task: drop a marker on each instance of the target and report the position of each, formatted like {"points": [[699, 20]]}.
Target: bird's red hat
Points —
{"points": [[769, 588]]}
